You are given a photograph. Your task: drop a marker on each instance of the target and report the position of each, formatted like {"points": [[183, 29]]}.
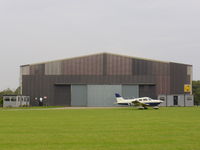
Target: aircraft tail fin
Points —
{"points": [[119, 98], [117, 95]]}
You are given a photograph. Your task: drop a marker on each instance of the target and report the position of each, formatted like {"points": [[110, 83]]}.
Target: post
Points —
{"points": [[184, 99]]}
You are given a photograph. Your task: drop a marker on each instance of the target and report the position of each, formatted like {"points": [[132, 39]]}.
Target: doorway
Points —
{"points": [[175, 100], [62, 95]]}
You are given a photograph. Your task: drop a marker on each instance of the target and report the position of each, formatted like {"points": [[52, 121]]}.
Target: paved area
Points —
{"points": [[58, 108]]}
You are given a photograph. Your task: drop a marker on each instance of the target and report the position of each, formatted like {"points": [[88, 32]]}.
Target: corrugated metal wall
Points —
{"points": [[183, 100], [53, 68], [189, 100], [154, 77], [147, 91], [24, 70], [91, 65], [130, 91], [36, 87], [178, 77], [78, 95], [38, 69], [62, 95], [118, 65], [146, 69], [162, 75], [102, 95]]}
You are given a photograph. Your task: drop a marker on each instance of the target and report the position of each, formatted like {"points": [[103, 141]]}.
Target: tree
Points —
{"points": [[196, 92], [17, 91], [7, 91]]}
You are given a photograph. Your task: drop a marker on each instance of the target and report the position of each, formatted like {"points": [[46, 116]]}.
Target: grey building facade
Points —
{"points": [[93, 80], [177, 100], [16, 101]]}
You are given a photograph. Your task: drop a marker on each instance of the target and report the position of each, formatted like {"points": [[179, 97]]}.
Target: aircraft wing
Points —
{"points": [[137, 103]]}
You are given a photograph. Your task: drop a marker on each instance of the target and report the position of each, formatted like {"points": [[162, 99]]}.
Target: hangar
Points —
{"points": [[94, 79]]}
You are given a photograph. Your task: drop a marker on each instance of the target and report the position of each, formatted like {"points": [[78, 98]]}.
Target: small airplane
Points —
{"points": [[142, 102]]}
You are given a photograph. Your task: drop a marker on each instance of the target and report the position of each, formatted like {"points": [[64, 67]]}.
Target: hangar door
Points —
{"points": [[62, 95], [102, 95], [78, 95], [130, 91]]}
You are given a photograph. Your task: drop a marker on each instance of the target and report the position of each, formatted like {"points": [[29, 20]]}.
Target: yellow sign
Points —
{"points": [[187, 88]]}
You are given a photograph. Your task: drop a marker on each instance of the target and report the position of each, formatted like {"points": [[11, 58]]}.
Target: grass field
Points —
{"points": [[100, 129]]}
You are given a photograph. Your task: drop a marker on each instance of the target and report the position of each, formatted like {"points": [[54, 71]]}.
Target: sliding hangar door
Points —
{"points": [[62, 95], [94, 95]]}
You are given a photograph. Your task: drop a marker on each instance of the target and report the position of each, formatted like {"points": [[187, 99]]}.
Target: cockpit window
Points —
{"points": [[145, 99], [162, 98], [140, 99]]}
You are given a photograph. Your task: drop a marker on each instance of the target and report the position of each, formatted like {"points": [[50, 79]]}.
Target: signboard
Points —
{"points": [[187, 88]]}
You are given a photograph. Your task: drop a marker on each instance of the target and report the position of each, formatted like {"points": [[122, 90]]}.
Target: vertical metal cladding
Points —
{"points": [[38, 69], [153, 77], [162, 75], [141, 70], [90, 65], [104, 64], [140, 67], [102, 95], [118, 65], [148, 70], [130, 91], [147, 91], [53, 68], [79, 95], [62, 95], [189, 75], [24, 70], [179, 77]]}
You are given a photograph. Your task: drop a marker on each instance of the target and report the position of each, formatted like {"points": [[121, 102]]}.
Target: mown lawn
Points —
{"points": [[100, 129]]}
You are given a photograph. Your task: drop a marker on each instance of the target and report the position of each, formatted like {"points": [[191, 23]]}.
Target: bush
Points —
{"points": [[196, 92], [1, 102]]}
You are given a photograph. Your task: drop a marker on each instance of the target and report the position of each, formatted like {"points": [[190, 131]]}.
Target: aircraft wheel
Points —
{"points": [[141, 108], [156, 108]]}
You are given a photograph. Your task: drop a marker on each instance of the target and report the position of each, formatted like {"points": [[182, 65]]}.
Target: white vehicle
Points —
{"points": [[142, 102]]}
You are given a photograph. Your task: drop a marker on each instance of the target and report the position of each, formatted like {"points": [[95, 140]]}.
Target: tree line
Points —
{"points": [[8, 91], [195, 90]]}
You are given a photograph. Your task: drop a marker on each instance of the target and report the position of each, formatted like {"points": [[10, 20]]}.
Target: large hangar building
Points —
{"points": [[93, 80]]}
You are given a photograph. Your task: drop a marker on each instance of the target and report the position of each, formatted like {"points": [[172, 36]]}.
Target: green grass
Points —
{"points": [[100, 129], [34, 107]]}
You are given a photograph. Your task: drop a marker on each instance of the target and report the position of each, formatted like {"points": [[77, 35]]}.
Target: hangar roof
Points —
{"points": [[103, 53]]}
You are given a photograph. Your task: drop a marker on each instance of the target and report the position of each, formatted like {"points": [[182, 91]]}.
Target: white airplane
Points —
{"points": [[142, 102]]}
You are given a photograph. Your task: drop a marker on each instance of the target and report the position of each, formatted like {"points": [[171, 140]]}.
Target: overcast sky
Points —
{"points": [[39, 30]]}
